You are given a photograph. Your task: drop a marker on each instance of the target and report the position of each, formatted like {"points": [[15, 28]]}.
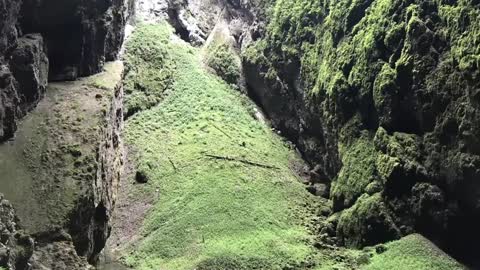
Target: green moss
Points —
{"points": [[394, 36], [385, 96], [387, 166], [55, 157], [355, 54], [412, 252], [212, 213], [401, 145], [108, 79], [226, 64], [368, 222], [384, 86], [313, 29], [357, 172], [222, 263], [145, 83], [355, 39], [463, 28]]}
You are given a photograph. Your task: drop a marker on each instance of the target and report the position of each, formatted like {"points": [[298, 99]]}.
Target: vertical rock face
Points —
{"points": [[29, 65], [8, 98], [77, 37], [194, 20], [22, 81], [81, 34], [9, 13], [90, 220], [383, 97], [75, 154], [15, 246], [23, 69], [68, 156]]}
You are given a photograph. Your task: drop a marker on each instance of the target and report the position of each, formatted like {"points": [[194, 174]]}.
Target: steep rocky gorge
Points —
{"points": [[380, 97], [53, 40], [62, 168]]}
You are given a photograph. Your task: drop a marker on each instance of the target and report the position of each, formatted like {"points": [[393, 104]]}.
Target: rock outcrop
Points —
{"points": [[71, 166], [55, 250], [50, 250], [29, 65], [68, 156], [92, 31], [77, 36], [90, 221], [16, 247], [194, 20], [382, 98], [23, 58]]}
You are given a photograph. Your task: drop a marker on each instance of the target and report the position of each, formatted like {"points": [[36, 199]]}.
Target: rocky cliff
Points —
{"points": [[16, 247], [194, 20], [52, 40], [382, 97], [62, 170], [67, 155]]}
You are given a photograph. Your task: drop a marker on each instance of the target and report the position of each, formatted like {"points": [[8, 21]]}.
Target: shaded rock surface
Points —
{"points": [[68, 155], [55, 250], [49, 250], [78, 37], [398, 80], [91, 30], [29, 65], [23, 58], [16, 247]]}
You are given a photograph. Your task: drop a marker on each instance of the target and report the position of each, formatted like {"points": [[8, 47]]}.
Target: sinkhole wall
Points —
{"points": [[383, 99], [53, 40], [69, 148]]}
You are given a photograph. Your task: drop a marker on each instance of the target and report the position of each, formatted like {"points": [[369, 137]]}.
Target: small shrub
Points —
{"points": [[222, 59]]}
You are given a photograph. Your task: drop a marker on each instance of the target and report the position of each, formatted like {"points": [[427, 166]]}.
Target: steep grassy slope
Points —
{"points": [[245, 210], [217, 184]]}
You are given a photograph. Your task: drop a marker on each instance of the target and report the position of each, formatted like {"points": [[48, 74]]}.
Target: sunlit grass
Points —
{"points": [[412, 252], [213, 213]]}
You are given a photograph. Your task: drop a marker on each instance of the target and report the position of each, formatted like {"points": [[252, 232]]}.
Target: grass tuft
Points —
{"points": [[412, 252]]}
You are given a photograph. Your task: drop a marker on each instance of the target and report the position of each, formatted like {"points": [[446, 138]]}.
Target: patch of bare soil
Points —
{"points": [[130, 211]]}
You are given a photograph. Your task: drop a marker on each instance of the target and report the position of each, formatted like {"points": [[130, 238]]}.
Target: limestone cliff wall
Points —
{"points": [[71, 173], [63, 169], [382, 97], [70, 39], [16, 247], [194, 20]]}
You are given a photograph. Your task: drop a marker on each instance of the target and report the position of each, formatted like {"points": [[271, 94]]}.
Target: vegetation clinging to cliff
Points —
{"points": [[146, 83], [407, 70]]}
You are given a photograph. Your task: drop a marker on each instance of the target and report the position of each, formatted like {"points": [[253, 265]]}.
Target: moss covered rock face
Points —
{"points": [[222, 59], [385, 96]]}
